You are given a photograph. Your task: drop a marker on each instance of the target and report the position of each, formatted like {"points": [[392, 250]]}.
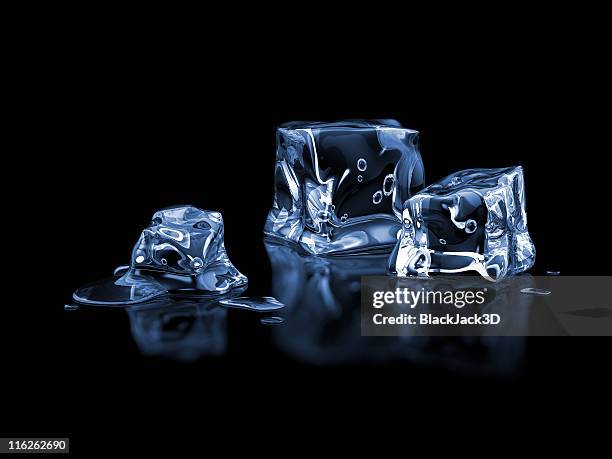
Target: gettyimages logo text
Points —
{"points": [[412, 298]]}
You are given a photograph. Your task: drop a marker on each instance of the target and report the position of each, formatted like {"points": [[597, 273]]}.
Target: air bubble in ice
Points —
{"points": [[196, 263], [470, 226], [388, 184], [203, 225], [377, 197], [362, 164]]}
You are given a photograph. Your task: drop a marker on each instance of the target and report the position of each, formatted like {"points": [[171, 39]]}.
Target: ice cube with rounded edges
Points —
{"points": [[471, 220], [185, 240], [340, 186], [182, 248]]}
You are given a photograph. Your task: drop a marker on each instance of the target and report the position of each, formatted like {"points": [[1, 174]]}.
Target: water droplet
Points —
{"points": [[344, 218], [272, 320], [535, 291], [256, 303], [360, 178], [164, 261], [443, 241], [71, 307], [362, 164], [470, 226], [388, 184], [377, 197], [139, 259], [553, 273]]}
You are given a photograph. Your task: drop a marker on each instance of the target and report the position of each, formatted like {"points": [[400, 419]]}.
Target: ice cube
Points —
{"points": [[182, 248], [188, 241], [340, 186], [471, 220]]}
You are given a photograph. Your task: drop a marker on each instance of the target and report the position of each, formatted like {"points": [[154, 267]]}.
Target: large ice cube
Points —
{"points": [[340, 187], [471, 220]]}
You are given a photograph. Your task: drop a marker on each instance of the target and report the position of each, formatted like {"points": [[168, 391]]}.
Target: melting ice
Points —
{"points": [[182, 248]]}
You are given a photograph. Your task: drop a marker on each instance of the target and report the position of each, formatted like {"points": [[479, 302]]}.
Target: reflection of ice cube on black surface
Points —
{"points": [[322, 325], [187, 326], [340, 187], [471, 220], [180, 328]]}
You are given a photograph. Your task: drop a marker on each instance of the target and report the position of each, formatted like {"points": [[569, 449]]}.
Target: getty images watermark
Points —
{"points": [[523, 305], [404, 296]]}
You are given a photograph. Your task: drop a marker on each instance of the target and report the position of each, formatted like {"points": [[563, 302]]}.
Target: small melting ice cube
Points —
{"points": [[471, 220], [185, 240], [181, 249], [340, 186]]}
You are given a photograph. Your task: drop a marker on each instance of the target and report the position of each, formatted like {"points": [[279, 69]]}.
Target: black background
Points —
{"points": [[133, 122]]}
